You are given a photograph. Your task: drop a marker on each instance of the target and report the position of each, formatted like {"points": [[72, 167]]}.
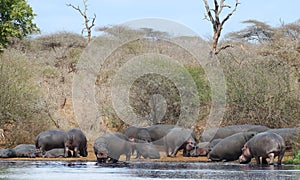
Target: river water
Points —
{"points": [[32, 170]]}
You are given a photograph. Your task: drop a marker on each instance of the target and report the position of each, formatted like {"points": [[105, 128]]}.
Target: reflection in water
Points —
{"points": [[143, 170]]}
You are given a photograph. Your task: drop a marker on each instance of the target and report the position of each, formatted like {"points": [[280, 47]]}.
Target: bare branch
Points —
{"points": [[215, 21], [210, 17], [83, 13], [231, 13]]}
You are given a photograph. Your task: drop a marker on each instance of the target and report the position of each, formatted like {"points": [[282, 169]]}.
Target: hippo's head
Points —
{"points": [[101, 153], [246, 156], [190, 149]]}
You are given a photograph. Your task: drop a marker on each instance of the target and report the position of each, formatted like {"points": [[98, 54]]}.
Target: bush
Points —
{"points": [[22, 113]]}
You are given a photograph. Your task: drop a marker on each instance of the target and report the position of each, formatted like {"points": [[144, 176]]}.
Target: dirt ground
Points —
{"points": [[91, 157]]}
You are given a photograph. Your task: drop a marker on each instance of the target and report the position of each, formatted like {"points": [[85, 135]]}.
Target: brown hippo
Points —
{"points": [[111, 146], [229, 148], [265, 145]]}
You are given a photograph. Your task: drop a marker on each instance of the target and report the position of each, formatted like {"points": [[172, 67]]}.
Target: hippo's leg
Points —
{"points": [[257, 158], [175, 151], [264, 161], [167, 150], [128, 156], [66, 152], [271, 156], [76, 154], [138, 154], [280, 156]]}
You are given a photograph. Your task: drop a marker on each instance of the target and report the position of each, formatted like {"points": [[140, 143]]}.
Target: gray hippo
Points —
{"points": [[180, 138], [50, 139], [202, 148], [56, 153], [147, 150], [136, 134], [25, 150], [158, 132], [265, 145], [111, 146], [291, 136], [223, 132], [77, 143], [230, 148], [7, 153]]}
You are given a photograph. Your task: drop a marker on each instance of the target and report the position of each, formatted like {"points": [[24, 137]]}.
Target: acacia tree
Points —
{"points": [[16, 20], [213, 15], [88, 26]]}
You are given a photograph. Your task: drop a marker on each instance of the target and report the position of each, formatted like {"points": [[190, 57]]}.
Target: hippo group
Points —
{"points": [[51, 144], [230, 143]]}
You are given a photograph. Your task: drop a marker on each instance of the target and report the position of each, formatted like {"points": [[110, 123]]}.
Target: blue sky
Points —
{"points": [[54, 16]]}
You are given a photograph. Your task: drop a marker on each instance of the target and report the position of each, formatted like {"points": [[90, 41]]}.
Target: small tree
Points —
{"points": [[16, 18], [213, 15], [256, 32], [87, 20]]}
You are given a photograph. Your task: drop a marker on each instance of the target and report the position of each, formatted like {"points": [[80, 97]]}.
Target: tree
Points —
{"points": [[83, 13], [213, 15], [16, 18], [256, 32]]}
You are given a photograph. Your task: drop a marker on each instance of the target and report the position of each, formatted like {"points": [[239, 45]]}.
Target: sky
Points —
{"points": [[54, 16]]}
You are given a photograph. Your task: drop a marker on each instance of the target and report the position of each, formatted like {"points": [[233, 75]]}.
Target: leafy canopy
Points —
{"points": [[16, 20]]}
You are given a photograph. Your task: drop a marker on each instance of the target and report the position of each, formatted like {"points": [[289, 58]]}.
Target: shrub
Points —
{"points": [[22, 113]]}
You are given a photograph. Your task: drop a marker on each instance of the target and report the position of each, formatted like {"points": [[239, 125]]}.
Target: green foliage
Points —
{"points": [[200, 79], [295, 160], [16, 20]]}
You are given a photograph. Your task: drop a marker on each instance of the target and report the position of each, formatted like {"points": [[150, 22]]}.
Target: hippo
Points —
{"points": [[229, 148], [140, 133], [111, 146], [77, 143], [158, 132], [265, 145], [214, 142], [202, 148], [180, 138], [136, 134], [56, 153], [147, 150], [50, 139], [7, 153], [223, 132], [25, 150], [291, 136]]}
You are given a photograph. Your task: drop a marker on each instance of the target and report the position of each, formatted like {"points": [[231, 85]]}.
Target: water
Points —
{"points": [[143, 170]]}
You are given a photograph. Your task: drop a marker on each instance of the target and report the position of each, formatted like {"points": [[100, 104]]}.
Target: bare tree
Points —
{"points": [[213, 15], [87, 20]]}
